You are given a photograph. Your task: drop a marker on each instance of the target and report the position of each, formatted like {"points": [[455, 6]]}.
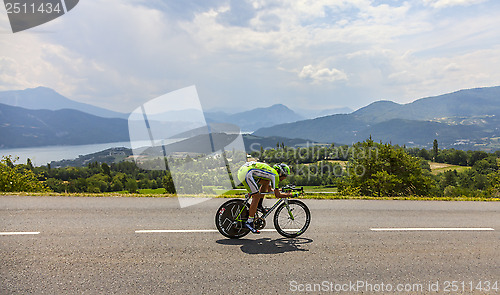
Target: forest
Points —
{"points": [[363, 169]]}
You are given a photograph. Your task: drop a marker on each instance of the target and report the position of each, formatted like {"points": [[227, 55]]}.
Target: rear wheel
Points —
{"points": [[293, 220], [230, 218]]}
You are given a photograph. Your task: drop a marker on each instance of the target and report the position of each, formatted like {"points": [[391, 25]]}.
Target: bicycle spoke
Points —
{"points": [[292, 220]]}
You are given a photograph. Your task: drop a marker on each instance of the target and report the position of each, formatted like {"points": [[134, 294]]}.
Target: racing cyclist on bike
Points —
{"points": [[251, 174]]}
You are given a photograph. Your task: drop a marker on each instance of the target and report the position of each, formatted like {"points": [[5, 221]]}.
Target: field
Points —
{"points": [[437, 168]]}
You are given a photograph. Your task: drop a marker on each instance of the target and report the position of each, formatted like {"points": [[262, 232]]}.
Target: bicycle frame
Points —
{"points": [[281, 200]]}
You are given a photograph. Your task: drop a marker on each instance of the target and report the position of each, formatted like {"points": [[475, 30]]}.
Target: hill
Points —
{"points": [[256, 118], [43, 98], [466, 119], [468, 103], [21, 127]]}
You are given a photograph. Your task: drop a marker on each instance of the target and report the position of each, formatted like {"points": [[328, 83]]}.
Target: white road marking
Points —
{"points": [[18, 233], [435, 229], [176, 231], [193, 230]]}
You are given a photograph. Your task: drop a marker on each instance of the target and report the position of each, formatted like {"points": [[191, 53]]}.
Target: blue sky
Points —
{"points": [[306, 54]]}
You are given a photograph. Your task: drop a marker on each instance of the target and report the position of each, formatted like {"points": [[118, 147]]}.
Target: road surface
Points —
{"points": [[89, 245]]}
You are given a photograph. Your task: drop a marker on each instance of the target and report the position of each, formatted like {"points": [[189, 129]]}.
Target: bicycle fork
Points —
{"points": [[289, 210]]}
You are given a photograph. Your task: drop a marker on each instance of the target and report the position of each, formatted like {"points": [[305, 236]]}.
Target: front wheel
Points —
{"points": [[230, 217], [291, 221]]}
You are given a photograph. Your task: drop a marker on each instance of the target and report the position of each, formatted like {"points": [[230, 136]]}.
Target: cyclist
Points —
{"points": [[251, 174]]}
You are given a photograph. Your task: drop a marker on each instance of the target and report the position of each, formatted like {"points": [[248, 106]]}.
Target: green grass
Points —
{"points": [[319, 189], [152, 191], [318, 196], [437, 168]]}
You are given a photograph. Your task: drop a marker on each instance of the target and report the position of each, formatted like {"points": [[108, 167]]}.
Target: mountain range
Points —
{"points": [[256, 118], [463, 119], [43, 98], [42, 117], [20, 127]]}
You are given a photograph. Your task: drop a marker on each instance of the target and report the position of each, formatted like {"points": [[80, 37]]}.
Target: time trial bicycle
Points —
{"points": [[291, 219]]}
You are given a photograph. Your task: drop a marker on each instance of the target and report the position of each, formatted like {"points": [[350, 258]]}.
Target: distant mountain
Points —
{"points": [[253, 143], [311, 114], [21, 127], [468, 102], [465, 118], [42, 98], [256, 118], [108, 156], [201, 143], [347, 129]]}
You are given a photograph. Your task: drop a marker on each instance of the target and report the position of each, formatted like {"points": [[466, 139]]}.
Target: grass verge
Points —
{"points": [[306, 196]]}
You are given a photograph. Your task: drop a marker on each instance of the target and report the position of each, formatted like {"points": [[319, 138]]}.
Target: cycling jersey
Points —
{"points": [[249, 173]]}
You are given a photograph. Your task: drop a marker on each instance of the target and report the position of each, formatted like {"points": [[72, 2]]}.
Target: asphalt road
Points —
{"points": [[90, 246]]}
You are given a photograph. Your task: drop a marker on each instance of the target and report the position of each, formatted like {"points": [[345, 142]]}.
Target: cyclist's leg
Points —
{"points": [[255, 198], [264, 187], [255, 202], [253, 187]]}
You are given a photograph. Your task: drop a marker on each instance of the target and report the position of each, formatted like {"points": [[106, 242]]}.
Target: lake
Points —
{"points": [[42, 155]]}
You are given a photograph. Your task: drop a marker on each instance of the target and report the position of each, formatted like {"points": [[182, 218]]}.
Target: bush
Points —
{"points": [[18, 178], [382, 170]]}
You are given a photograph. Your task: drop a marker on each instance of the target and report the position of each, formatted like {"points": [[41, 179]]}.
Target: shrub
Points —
{"points": [[18, 178]]}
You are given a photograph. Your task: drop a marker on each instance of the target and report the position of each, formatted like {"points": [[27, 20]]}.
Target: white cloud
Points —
{"points": [[131, 51], [320, 75], [449, 3]]}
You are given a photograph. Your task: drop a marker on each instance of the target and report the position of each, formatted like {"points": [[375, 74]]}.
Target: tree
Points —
{"points": [[384, 170], [168, 184], [97, 183], [131, 185], [477, 156], [106, 170], [29, 164], [423, 153], [435, 149], [16, 178], [449, 178]]}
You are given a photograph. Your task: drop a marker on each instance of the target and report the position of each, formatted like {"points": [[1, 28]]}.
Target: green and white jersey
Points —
{"points": [[250, 172]]}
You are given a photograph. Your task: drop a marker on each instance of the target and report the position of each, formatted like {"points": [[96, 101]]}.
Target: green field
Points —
{"points": [[437, 168]]}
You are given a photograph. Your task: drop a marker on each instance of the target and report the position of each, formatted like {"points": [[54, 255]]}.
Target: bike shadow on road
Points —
{"points": [[267, 245]]}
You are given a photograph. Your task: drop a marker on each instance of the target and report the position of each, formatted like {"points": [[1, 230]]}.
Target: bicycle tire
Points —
{"points": [[288, 227], [225, 219]]}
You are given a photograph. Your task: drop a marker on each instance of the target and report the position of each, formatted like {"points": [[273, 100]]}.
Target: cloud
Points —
{"points": [[320, 75], [118, 53], [450, 3]]}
